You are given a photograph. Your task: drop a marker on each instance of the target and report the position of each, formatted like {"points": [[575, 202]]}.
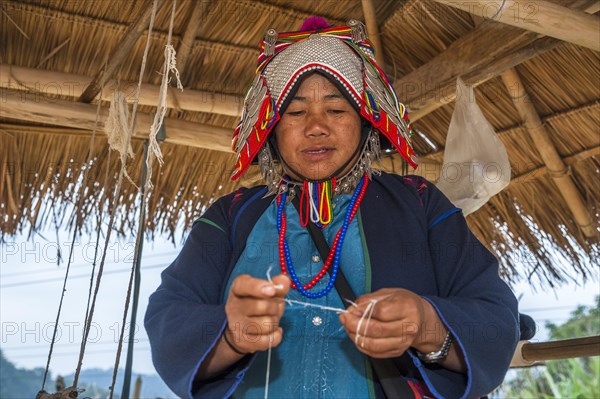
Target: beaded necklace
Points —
{"points": [[333, 259]]}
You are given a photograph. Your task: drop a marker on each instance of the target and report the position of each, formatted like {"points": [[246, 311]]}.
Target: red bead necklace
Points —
{"points": [[327, 264]]}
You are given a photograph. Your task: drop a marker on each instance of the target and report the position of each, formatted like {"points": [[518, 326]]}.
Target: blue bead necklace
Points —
{"points": [[335, 252]]}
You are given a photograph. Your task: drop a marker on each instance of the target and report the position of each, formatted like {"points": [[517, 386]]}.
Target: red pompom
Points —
{"points": [[314, 23]]}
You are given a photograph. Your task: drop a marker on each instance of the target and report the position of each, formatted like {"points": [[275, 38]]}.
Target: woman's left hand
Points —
{"points": [[401, 319]]}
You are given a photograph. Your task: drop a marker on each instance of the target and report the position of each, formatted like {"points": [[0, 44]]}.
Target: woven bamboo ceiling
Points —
{"points": [[60, 58]]}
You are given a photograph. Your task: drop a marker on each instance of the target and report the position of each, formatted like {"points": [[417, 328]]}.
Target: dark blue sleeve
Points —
{"points": [[474, 303], [185, 316]]}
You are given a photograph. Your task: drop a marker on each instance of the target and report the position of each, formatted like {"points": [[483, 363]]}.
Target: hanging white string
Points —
{"points": [[169, 67], [292, 301], [268, 366]]}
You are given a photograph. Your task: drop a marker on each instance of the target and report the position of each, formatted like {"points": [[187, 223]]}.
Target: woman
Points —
{"points": [[428, 293]]}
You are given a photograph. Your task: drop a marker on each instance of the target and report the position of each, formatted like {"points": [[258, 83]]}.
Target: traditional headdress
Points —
{"points": [[346, 56]]}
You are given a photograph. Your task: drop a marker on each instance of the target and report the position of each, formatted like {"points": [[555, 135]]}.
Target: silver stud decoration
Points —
{"points": [[270, 41], [358, 31]]}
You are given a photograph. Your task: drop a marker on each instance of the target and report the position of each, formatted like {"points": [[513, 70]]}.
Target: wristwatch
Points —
{"points": [[436, 357]]}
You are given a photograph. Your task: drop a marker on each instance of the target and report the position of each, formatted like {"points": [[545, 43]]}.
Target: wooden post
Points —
{"points": [[137, 388], [121, 52], [541, 137], [539, 16], [373, 31]]}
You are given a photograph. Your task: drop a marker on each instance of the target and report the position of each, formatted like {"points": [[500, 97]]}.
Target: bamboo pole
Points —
{"points": [[373, 31], [528, 353], [539, 16], [56, 112], [51, 83], [121, 52], [541, 137]]}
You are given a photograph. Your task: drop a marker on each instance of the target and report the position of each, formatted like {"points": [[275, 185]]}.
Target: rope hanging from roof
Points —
{"points": [[119, 127]]}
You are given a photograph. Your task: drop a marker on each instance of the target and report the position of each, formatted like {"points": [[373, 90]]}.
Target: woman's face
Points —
{"points": [[319, 131]]}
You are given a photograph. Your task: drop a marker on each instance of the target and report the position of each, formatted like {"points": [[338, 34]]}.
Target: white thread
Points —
{"points": [[277, 286], [351, 302], [314, 305], [292, 301], [368, 313], [268, 366]]}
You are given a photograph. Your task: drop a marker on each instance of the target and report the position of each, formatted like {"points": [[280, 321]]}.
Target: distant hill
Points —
{"points": [[16, 383]]}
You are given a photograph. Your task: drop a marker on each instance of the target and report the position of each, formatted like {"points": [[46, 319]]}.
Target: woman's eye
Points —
{"points": [[336, 111], [295, 113]]}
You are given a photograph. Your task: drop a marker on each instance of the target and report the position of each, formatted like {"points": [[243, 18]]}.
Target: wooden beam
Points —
{"points": [[121, 52], [373, 31], [544, 145], [445, 93], [481, 47], [543, 17], [477, 58], [533, 174], [28, 107], [189, 37], [51, 83]]}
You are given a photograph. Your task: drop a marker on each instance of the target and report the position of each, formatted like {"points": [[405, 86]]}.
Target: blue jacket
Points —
{"points": [[415, 238]]}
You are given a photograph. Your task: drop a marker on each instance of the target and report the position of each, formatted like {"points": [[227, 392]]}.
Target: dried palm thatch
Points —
{"points": [[44, 171]]}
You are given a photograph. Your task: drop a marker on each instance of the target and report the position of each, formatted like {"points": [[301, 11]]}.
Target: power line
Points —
{"points": [[71, 353], [22, 283], [27, 347], [78, 266]]}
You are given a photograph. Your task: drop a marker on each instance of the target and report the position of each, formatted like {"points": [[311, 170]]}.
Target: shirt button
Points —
{"points": [[317, 321], [316, 258]]}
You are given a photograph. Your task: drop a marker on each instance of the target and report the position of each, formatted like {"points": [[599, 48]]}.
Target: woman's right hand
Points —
{"points": [[254, 308]]}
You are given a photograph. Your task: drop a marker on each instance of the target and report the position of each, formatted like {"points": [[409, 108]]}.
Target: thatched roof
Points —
{"points": [[545, 223]]}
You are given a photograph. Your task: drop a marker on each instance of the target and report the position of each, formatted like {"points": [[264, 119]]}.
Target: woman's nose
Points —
{"points": [[316, 124]]}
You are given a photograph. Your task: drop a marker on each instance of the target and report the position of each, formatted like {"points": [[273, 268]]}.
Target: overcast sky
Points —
{"points": [[31, 282]]}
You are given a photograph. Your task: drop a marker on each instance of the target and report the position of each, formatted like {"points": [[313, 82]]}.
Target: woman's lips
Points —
{"points": [[317, 153]]}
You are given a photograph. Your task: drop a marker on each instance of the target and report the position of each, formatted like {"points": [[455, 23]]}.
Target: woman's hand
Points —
{"points": [[254, 308], [400, 320]]}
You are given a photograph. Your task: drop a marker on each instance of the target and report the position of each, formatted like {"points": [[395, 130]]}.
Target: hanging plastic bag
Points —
{"points": [[476, 165]]}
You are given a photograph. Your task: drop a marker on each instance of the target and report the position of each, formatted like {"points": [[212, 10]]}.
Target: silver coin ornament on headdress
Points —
{"points": [[344, 54]]}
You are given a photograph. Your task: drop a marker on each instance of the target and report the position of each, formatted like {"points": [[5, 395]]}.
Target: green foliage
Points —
{"points": [[569, 378], [584, 322]]}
